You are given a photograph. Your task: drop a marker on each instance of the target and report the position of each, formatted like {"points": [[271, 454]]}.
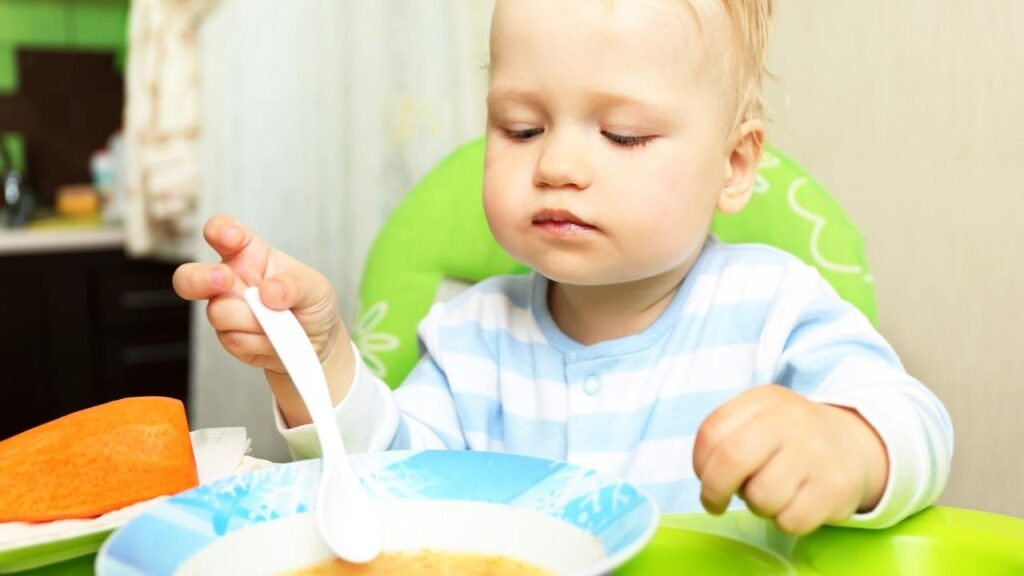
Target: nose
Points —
{"points": [[563, 163]]}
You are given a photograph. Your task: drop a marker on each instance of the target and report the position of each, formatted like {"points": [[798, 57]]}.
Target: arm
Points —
{"points": [[420, 415], [835, 357], [847, 438], [909, 422], [368, 416]]}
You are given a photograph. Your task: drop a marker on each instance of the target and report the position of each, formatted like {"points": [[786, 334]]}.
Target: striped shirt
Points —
{"points": [[498, 374]]}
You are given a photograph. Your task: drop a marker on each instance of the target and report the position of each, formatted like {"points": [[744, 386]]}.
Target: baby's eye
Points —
{"points": [[627, 141], [525, 134]]}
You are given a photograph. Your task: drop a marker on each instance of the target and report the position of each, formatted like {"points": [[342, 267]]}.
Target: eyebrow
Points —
{"points": [[601, 98], [512, 94]]}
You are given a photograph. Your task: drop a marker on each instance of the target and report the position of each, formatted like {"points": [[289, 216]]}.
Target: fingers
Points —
{"points": [[728, 418], [202, 281], [252, 349], [232, 315], [226, 235], [737, 457], [299, 287], [240, 333], [249, 257], [775, 484], [808, 510]]}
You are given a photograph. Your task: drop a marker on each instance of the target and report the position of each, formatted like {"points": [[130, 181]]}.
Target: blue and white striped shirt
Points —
{"points": [[498, 374]]}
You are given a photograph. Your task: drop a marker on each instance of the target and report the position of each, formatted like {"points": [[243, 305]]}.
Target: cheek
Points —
{"points": [[506, 177], [492, 191], [682, 185], [651, 191], [666, 201], [497, 201], [492, 210]]}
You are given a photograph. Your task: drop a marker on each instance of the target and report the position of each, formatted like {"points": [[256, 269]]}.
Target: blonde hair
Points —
{"points": [[750, 24], [751, 27]]}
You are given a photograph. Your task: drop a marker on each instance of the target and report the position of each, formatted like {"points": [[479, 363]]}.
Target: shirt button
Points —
{"points": [[591, 385]]}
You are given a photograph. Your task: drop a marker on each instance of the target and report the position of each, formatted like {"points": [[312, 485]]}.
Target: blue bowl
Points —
{"points": [[556, 515]]}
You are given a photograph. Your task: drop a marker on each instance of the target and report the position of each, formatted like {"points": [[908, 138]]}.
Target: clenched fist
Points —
{"points": [[791, 459]]}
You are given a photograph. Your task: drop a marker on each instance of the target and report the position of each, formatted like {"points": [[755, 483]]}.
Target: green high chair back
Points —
{"points": [[439, 231]]}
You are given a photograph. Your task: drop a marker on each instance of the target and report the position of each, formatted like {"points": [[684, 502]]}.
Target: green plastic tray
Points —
{"points": [[937, 541], [65, 556]]}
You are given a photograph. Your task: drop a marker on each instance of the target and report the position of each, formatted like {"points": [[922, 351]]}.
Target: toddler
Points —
{"points": [[639, 345]]}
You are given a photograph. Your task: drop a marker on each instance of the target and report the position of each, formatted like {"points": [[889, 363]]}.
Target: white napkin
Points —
{"points": [[219, 452]]}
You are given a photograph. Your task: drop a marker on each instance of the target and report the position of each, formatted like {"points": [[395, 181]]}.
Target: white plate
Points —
{"points": [[219, 452]]}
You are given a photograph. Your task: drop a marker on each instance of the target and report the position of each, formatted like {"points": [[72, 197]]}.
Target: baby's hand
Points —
{"points": [[791, 459], [284, 283]]}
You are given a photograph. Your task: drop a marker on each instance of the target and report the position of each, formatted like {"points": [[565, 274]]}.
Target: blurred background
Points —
{"points": [[125, 124]]}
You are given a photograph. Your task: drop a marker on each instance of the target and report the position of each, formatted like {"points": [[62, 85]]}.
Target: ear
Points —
{"points": [[741, 166]]}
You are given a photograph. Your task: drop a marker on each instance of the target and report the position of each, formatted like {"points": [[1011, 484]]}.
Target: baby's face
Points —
{"points": [[607, 136]]}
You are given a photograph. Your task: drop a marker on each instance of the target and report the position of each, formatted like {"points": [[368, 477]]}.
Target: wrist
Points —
{"points": [[339, 369], [871, 448], [338, 366]]}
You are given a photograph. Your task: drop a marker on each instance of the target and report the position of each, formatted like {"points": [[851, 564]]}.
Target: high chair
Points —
{"points": [[437, 237]]}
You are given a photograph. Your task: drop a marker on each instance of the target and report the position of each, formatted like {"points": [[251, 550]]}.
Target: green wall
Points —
{"points": [[84, 25], [67, 24]]}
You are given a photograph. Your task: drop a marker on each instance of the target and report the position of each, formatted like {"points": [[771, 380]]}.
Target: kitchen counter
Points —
{"points": [[19, 241]]}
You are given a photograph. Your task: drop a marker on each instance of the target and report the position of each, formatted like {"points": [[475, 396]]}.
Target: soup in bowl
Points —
{"points": [[443, 512]]}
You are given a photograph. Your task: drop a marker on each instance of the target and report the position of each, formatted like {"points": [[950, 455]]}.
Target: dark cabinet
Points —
{"points": [[82, 328]]}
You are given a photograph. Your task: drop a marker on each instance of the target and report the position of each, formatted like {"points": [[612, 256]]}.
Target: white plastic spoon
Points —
{"points": [[345, 516]]}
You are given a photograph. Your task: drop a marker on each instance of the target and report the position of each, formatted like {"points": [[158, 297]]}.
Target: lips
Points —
{"points": [[561, 223], [548, 216]]}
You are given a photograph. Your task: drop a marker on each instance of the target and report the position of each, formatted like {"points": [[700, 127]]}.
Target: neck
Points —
{"points": [[592, 314]]}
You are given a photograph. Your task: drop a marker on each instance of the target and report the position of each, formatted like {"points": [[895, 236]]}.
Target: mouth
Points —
{"points": [[561, 223]]}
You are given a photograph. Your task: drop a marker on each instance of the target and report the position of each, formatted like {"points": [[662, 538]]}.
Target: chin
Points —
{"points": [[564, 267], [582, 274]]}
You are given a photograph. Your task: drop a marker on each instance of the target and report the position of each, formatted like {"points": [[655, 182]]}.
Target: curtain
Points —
{"points": [[162, 126], [317, 117]]}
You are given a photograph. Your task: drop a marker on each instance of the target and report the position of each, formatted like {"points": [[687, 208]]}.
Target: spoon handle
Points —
{"points": [[300, 360], [345, 515]]}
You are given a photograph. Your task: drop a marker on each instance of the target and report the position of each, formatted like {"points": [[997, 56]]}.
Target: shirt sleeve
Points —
{"points": [[367, 417], [833, 354], [429, 418], [420, 415]]}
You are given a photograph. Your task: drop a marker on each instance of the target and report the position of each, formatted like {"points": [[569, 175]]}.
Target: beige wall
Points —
{"points": [[912, 113]]}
